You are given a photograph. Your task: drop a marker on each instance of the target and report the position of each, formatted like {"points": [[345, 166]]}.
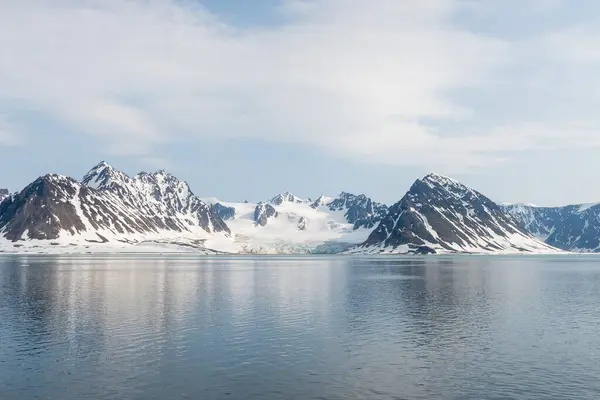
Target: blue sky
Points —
{"points": [[248, 99]]}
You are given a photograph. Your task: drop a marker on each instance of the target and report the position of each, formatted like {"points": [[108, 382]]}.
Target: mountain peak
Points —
{"points": [[55, 178], [441, 214], [442, 185], [102, 164], [440, 179], [102, 174], [286, 197]]}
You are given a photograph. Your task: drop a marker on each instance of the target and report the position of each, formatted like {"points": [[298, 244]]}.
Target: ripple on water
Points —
{"points": [[310, 328]]}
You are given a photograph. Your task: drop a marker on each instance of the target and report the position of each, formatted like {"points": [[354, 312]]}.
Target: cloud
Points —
{"points": [[374, 81]]}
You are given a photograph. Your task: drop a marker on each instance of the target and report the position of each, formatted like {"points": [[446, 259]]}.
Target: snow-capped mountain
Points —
{"points": [[359, 210], [111, 210], [441, 215], [287, 223], [109, 206], [170, 201], [286, 197], [574, 228]]}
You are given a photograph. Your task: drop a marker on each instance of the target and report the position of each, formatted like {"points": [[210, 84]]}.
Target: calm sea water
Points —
{"points": [[143, 327]]}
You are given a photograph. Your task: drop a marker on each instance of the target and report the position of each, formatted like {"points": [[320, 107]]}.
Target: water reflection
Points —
{"points": [[347, 328]]}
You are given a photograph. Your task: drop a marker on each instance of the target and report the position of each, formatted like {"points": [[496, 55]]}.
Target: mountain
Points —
{"points": [[170, 201], [287, 223], [441, 215], [286, 197], [112, 211], [109, 206], [359, 210], [574, 228]]}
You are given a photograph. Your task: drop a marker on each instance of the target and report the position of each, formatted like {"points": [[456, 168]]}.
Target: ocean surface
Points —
{"points": [[182, 327]]}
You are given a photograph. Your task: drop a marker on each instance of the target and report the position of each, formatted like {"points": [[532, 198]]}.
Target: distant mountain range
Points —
{"points": [[109, 211], [574, 228]]}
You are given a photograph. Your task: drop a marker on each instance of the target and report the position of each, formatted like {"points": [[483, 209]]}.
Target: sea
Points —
{"points": [[305, 327]]}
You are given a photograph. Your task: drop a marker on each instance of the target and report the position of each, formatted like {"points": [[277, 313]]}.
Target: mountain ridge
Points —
{"points": [[437, 215], [573, 228]]}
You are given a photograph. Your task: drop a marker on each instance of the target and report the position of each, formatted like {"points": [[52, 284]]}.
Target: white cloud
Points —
{"points": [[370, 80]]}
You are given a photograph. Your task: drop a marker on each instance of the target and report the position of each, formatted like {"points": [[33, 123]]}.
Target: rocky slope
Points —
{"points": [[441, 215], [574, 228]]}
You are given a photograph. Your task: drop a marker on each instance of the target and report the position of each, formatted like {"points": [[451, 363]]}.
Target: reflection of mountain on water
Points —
{"points": [[406, 315], [431, 296], [100, 310], [103, 323]]}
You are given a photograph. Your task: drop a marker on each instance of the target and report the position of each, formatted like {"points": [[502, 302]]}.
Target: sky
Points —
{"points": [[247, 99]]}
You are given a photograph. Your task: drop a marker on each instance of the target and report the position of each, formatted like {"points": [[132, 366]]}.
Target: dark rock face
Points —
{"points": [[440, 212], [113, 204], [226, 213], [263, 212], [423, 250], [571, 228], [37, 212], [302, 224], [360, 210]]}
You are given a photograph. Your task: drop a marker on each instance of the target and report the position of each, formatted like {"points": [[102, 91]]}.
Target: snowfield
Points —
{"points": [[323, 228]]}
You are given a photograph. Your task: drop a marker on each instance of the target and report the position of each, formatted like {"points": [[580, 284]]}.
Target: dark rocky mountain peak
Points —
{"points": [[440, 213], [108, 204], [104, 176], [159, 194], [42, 210]]}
